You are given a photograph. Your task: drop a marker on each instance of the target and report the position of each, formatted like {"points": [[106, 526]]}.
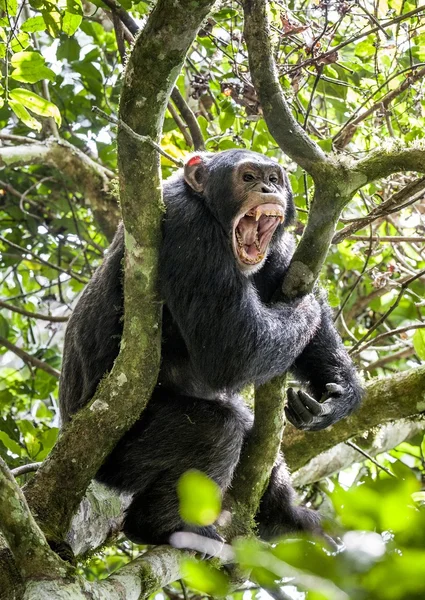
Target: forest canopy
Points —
{"points": [[334, 91]]}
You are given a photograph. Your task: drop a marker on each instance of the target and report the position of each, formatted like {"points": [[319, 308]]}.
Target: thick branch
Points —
{"points": [[404, 397], [158, 54], [254, 469], [287, 132], [383, 163], [89, 177], [374, 442], [24, 537]]}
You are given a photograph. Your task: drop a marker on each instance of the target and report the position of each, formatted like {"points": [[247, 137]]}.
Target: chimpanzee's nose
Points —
{"points": [[266, 189]]}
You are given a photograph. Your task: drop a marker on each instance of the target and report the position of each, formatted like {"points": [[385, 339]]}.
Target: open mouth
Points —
{"points": [[253, 231]]}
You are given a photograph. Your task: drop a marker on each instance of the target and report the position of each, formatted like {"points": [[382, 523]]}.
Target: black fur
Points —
{"points": [[220, 332]]}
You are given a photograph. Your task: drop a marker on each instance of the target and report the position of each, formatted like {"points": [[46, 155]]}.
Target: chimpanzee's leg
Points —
{"points": [[278, 514], [175, 434]]}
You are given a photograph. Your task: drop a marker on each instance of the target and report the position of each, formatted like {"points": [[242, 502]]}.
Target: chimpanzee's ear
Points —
{"points": [[195, 172]]}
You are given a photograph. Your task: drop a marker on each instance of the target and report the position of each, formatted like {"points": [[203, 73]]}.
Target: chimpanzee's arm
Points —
{"points": [[233, 338], [93, 333], [327, 368]]}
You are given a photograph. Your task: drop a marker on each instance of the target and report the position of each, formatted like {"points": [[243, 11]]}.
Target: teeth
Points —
{"points": [[239, 238], [257, 241], [258, 214]]}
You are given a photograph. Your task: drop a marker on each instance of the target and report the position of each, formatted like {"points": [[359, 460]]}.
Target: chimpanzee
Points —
{"points": [[224, 253]]}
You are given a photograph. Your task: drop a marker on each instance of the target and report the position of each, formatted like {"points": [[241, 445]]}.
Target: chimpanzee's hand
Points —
{"points": [[304, 412]]}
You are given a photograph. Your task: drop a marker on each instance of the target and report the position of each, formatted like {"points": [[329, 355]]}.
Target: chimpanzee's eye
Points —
{"points": [[273, 179], [248, 177]]}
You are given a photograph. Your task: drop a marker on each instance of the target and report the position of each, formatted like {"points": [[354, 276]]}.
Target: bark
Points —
{"points": [[23, 536], [374, 442], [89, 177]]}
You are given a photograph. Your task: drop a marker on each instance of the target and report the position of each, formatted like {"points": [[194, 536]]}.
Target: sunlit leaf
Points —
{"points": [[419, 343], [22, 114], [29, 67], [200, 498], [36, 104], [205, 578]]}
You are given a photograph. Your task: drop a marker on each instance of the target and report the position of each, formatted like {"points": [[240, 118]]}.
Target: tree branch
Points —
{"points": [[89, 177], [189, 118], [287, 132], [347, 132], [404, 197], [24, 537], [383, 163], [374, 442], [43, 261], [33, 315], [56, 490], [27, 358]]}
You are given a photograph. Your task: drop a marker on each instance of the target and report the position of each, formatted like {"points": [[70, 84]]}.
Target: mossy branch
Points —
{"points": [[153, 66], [25, 539], [287, 132]]}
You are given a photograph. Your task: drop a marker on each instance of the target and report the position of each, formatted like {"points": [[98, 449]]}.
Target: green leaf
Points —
{"points": [[36, 104], [52, 20], [22, 114], [200, 498], [10, 444], [205, 578], [10, 7], [70, 23], [20, 42], [419, 343], [30, 68], [227, 115], [68, 49], [33, 24]]}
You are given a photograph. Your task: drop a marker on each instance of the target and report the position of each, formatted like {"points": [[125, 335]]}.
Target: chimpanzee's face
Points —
{"points": [[249, 194], [260, 187]]}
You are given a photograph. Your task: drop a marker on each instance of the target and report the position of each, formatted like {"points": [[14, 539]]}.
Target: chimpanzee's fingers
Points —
{"points": [[293, 418], [297, 406], [313, 406]]}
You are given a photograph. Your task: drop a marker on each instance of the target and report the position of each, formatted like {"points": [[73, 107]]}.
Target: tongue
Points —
{"points": [[248, 229]]}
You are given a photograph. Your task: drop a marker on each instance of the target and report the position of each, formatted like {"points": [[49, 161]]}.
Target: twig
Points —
{"points": [[180, 124], [369, 457], [356, 283], [364, 33], [382, 103], [189, 118], [386, 334], [405, 353], [397, 239], [389, 311], [24, 469], [35, 362], [33, 315], [128, 21], [144, 139], [401, 199], [17, 138], [42, 261]]}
